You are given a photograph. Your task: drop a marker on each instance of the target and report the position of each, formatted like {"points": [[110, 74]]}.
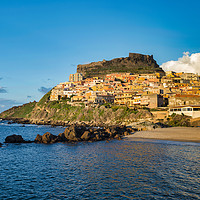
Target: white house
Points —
{"points": [[68, 93], [193, 111]]}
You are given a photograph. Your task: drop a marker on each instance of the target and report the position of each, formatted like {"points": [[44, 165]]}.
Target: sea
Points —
{"points": [[118, 169]]}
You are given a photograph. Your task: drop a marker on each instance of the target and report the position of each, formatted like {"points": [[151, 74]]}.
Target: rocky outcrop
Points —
{"points": [[82, 133], [87, 135], [15, 139], [47, 138], [73, 133], [135, 63]]}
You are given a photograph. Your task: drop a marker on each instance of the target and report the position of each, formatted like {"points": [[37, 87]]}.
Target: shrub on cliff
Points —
{"points": [[44, 99], [179, 120], [19, 111]]}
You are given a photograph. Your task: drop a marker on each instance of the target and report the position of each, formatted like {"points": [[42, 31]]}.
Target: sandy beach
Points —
{"points": [[186, 134]]}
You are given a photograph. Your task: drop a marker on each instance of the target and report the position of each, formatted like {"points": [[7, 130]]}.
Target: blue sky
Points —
{"points": [[42, 41]]}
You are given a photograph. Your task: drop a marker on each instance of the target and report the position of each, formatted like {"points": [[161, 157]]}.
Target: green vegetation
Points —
{"points": [[44, 99], [157, 109], [107, 113], [178, 120], [19, 112], [62, 110], [113, 68]]}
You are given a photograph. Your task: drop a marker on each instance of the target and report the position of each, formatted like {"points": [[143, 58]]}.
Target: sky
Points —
{"points": [[42, 41]]}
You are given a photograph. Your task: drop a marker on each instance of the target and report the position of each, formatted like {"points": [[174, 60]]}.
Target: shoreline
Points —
{"points": [[52, 123], [181, 134]]}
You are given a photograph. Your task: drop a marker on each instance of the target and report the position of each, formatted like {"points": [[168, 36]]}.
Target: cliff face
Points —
{"points": [[135, 63]]}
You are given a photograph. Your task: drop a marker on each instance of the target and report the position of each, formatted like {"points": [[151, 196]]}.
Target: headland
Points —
{"points": [[132, 91]]}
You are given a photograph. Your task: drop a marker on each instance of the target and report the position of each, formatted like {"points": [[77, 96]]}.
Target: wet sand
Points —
{"points": [[186, 134]]}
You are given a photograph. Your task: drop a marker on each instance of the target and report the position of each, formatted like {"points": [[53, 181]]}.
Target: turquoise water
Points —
{"points": [[124, 169]]}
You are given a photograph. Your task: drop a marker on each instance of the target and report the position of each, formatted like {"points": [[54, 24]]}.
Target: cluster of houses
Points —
{"points": [[138, 90]]}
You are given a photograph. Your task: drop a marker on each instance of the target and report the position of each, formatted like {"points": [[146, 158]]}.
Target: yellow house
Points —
{"points": [[123, 98], [135, 101], [157, 75], [94, 88], [141, 78], [92, 98], [88, 94], [96, 78], [178, 73], [77, 98]]}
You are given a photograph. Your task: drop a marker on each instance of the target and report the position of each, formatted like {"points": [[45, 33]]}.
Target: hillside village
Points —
{"points": [[169, 98], [173, 90]]}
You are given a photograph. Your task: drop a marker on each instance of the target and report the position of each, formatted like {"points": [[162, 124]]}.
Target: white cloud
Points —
{"points": [[188, 63]]}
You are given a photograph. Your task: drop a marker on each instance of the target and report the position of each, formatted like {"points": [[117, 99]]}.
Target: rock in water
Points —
{"points": [[38, 139], [14, 139], [47, 138], [61, 137], [86, 135], [73, 133]]}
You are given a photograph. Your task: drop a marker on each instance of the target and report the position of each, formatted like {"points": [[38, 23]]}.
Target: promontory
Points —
{"points": [[135, 64]]}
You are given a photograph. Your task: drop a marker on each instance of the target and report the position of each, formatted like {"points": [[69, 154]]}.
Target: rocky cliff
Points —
{"points": [[135, 63]]}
